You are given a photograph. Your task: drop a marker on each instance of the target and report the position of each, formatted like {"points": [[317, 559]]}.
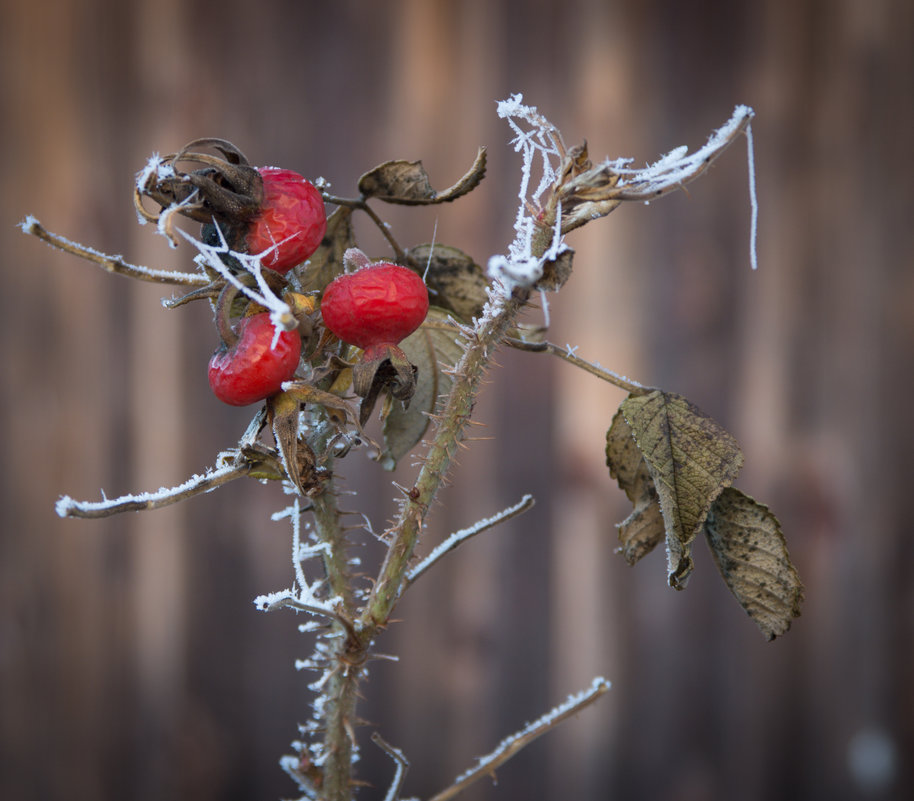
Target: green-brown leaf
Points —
{"points": [[326, 263], [690, 458], [407, 182], [751, 553], [435, 347], [454, 280]]}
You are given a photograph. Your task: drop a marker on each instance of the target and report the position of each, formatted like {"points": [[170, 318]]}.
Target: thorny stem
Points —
{"points": [[453, 420], [456, 414], [346, 653]]}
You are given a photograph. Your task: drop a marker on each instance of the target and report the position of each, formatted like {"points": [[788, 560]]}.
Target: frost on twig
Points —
{"points": [[112, 264], [245, 460], [147, 501], [459, 537], [588, 192], [393, 792], [571, 191], [304, 597], [540, 144], [507, 748]]}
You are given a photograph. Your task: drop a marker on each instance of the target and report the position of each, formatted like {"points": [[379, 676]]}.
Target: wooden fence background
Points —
{"points": [[132, 662]]}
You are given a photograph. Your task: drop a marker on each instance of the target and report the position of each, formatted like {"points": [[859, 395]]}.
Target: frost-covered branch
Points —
{"points": [[586, 192], [112, 264], [393, 792], [507, 748], [679, 167], [147, 501], [540, 144], [459, 537]]}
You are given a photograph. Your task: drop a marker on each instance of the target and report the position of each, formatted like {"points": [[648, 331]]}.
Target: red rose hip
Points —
{"points": [[252, 369], [291, 220], [375, 307]]}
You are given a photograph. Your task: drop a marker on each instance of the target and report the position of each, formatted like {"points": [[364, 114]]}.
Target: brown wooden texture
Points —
{"points": [[132, 662]]}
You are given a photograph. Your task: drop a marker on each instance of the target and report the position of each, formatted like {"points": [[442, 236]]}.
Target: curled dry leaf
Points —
{"points": [[690, 458], [435, 348], [407, 182], [643, 529], [751, 553], [454, 280]]}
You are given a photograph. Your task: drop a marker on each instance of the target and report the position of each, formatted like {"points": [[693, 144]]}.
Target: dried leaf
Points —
{"points": [[690, 458], [297, 456], [556, 271], [751, 553], [454, 280], [643, 529], [407, 182], [262, 463], [434, 348], [326, 263]]}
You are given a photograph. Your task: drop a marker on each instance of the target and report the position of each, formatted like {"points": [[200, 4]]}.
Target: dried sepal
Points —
{"points": [[391, 373], [225, 188]]}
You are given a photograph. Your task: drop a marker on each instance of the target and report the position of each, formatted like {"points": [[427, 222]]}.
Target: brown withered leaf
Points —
{"points": [[434, 348], [262, 462], [407, 182], [556, 271], [690, 458], [643, 529], [587, 195], [454, 280], [326, 263], [751, 553], [297, 456]]}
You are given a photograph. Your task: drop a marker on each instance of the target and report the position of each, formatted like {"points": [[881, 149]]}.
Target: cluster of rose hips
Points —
{"points": [[277, 215]]}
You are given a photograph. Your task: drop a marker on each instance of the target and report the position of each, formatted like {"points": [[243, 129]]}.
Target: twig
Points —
{"points": [[393, 792], [568, 355], [112, 264], [459, 537], [361, 204], [510, 746], [147, 501]]}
